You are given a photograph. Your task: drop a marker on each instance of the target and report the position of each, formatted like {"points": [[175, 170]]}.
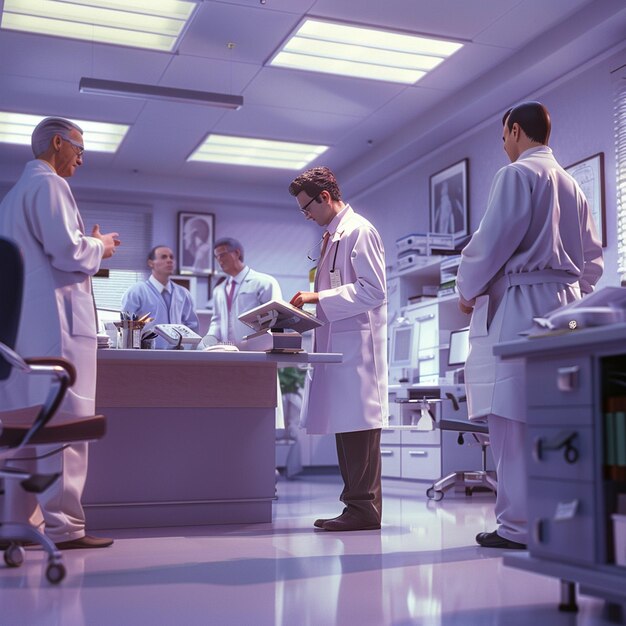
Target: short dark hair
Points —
{"points": [[314, 181], [232, 244], [533, 118], [152, 253]]}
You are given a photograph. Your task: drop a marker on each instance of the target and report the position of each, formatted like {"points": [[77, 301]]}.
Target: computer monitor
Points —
{"points": [[459, 347]]}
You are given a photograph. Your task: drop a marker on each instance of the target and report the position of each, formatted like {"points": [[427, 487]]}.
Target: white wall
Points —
{"points": [[582, 125]]}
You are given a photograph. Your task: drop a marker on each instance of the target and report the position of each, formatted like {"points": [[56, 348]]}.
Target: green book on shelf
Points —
{"points": [[610, 456], [620, 438]]}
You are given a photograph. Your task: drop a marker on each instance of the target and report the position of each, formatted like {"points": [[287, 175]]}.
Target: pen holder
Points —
{"points": [[128, 334]]}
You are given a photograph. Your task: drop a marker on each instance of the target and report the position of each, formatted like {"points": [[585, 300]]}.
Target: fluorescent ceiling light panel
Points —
{"points": [[256, 152], [98, 136], [320, 46], [157, 92], [152, 24]]}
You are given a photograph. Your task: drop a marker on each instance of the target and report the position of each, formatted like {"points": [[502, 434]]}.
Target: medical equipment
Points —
{"points": [[278, 326], [403, 353], [600, 308]]}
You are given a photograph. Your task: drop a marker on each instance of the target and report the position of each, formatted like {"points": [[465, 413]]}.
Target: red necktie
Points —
{"points": [[230, 294], [325, 238]]}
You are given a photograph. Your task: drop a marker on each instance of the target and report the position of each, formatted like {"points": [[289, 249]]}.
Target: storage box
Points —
{"points": [[409, 262], [619, 538], [417, 242]]}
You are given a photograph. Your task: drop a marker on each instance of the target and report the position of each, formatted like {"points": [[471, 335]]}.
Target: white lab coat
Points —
{"points": [[58, 319], [146, 297], [538, 231], [351, 396], [253, 289], [58, 314]]}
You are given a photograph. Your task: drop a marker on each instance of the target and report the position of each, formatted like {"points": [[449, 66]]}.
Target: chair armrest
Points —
{"points": [[464, 426], [63, 374]]}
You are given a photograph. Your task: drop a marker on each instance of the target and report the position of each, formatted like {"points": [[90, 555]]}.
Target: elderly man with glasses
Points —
{"points": [[58, 319]]}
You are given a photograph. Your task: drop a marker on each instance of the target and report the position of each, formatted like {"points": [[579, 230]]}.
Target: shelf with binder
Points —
{"points": [[576, 393]]}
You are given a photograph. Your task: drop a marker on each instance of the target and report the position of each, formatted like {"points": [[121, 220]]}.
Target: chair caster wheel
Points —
{"points": [[55, 573], [434, 495], [14, 555]]}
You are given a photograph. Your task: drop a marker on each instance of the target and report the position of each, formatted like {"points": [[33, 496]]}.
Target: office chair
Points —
{"points": [[29, 426], [470, 480]]}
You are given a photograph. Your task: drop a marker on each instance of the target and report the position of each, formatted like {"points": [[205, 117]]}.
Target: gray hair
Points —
{"points": [[47, 129], [232, 244]]}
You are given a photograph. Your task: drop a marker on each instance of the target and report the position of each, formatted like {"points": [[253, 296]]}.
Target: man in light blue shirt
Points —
{"points": [[165, 301]]}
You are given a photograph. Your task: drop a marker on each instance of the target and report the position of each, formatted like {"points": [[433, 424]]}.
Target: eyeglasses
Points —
{"points": [[305, 208], [78, 149]]}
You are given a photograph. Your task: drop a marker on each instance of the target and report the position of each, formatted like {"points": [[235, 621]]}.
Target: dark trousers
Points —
{"points": [[358, 454]]}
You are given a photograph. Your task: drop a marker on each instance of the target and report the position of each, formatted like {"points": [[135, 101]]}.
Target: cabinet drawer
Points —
{"points": [[560, 416], [421, 437], [391, 463], [544, 460], [389, 435], [421, 463], [428, 362], [564, 381], [560, 520]]}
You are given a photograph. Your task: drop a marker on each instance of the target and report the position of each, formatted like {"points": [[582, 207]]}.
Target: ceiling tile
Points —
{"points": [[319, 92], [445, 18]]}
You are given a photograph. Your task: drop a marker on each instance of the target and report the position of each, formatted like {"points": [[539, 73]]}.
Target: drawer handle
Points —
{"points": [[425, 318], [564, 440], [430, 357], [567, 378], [386, 453], [418, 453]]}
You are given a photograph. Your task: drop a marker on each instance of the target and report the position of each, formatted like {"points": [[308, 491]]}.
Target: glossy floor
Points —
{"points": [[421, 568]]}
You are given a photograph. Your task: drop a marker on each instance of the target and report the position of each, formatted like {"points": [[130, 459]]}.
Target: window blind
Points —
{"points": [[620, 162], [132, 222], [128, 265]]}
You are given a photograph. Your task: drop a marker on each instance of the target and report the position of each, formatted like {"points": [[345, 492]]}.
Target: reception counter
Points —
{"points": [[190, 437]]}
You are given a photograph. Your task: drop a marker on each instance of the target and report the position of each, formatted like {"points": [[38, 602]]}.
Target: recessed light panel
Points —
{"points": [[152, 24], [256, 152], [98, 136], [348, 50]]}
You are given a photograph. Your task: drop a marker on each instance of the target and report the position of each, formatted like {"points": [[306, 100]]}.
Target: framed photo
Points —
{"points": [[589, 174], [196, 234], [449, 200]]}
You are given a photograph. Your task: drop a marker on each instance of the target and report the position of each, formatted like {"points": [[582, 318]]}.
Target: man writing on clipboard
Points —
{"points": [[349, 400]]}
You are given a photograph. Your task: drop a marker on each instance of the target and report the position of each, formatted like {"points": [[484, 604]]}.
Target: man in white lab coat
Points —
{"points": [[58, 318], [242, 290], [536, 249], [350, 399], [165, 301]]}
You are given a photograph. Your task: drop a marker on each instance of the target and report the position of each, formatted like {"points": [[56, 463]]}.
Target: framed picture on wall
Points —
{"points": [[196, 234], [589, 174], [449, 200]]}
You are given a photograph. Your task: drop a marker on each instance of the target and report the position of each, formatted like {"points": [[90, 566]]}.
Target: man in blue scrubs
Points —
{"points": [[165, 301]]}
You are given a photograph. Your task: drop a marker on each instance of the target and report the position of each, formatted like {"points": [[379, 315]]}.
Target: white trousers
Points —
{"points": [[58, 510], [507, 439]]}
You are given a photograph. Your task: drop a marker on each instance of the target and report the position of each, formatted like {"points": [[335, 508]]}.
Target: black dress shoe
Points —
{"points": [[493, 540], [347, 522], [319, 523], [84, 542]]}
